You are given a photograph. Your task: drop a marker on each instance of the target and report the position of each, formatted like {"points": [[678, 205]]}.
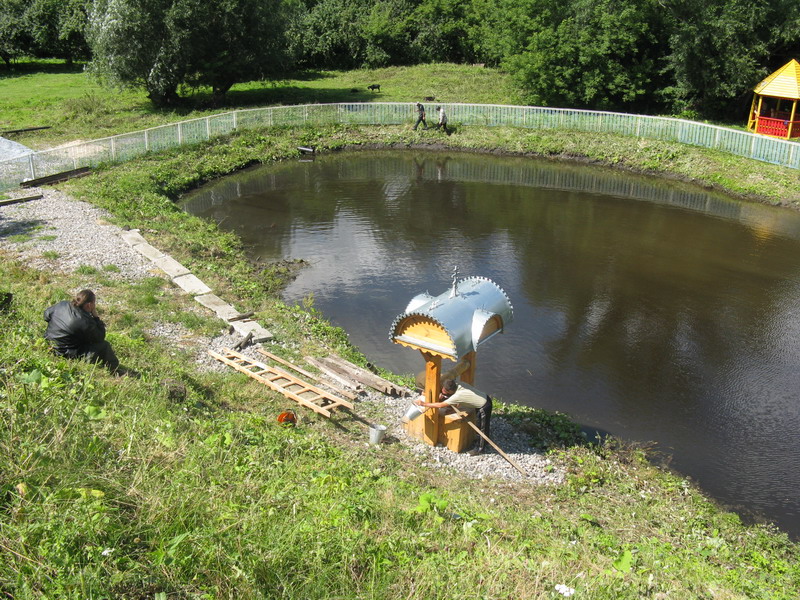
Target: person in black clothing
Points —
{"points": [[420, 116], [75, 330]]}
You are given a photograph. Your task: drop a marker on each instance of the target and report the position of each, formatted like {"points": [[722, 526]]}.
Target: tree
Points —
{"points": [[162, 44], [56, 28], [719, 49], [14, 37], [328, 34], [583, 53], [440, 31]]}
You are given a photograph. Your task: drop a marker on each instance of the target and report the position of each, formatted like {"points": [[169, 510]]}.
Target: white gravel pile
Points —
{"points": [[74, 234], [56, 233], [9, 149]]}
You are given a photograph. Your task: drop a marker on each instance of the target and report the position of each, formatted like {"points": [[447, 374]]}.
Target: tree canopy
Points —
{"points": [[697, 57], [162, 44]]}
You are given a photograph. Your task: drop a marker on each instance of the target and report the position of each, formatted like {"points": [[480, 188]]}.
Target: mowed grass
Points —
{"points": [[76, 105], [121, 488], [125, 489]]}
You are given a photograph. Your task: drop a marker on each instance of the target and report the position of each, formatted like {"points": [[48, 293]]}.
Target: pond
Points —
{"points": [[652, 310]]}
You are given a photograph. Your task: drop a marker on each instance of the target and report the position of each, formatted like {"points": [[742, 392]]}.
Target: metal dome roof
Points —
{"points": [[455, 322]]}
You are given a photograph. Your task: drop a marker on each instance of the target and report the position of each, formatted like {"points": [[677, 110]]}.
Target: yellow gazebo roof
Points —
{"points": [[783, 83]]}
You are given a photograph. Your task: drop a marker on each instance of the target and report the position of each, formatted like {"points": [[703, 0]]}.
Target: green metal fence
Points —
{"points": [[123, 147]]}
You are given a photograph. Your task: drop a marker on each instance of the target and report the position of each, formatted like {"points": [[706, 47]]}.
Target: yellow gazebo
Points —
{"points": [[774, 107]]}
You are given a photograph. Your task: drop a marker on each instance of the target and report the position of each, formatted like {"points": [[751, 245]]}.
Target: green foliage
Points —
{"points": [[169, 44], [597, 55], [547, 430], [57, 28], [15, 39], [719, 50]]}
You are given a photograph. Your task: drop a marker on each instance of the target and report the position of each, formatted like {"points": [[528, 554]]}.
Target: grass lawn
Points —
{"points": [[115, 488], [75, 105]]}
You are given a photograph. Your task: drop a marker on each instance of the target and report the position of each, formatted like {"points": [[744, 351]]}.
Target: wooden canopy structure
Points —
{"points": [[451, 326], [774, 111]]}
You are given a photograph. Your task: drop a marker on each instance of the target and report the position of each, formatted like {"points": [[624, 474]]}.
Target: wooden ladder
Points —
{"points": [[292, 387]]}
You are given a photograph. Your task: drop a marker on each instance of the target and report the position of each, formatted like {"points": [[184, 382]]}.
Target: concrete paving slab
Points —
{"points": [[148, 251], [259, 333], [173, 268], [190, 283], [133, 237], [222, 309]]}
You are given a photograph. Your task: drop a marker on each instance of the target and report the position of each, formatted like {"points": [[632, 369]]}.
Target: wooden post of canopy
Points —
{"points": [[433, 371], [790, 129], [468, 376], [751, 124]]}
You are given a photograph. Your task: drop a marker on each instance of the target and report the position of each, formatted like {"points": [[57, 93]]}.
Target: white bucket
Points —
{"points": [[376, 433], [413, 412]]}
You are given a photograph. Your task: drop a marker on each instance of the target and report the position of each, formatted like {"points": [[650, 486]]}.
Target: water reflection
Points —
{"points": [[653, 310]]}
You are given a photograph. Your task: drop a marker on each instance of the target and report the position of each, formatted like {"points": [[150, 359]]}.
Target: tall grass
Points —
{"points": [[119, 488]]}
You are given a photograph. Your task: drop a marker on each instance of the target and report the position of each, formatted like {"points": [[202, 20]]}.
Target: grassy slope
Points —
{"points": [[113, 488], [76, 106]]}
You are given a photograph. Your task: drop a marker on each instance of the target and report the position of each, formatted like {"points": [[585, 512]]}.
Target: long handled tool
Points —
{"points": [[486, 437]]}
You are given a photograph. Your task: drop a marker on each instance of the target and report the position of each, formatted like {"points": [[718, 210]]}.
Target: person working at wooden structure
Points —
{"points": [[460, 396]]}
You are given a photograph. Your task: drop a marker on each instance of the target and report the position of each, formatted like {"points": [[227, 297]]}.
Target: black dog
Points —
{"points": [[374, 87]]}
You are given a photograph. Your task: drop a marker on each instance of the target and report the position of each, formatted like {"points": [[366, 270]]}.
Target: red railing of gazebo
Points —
{"points": [[777, 127]]}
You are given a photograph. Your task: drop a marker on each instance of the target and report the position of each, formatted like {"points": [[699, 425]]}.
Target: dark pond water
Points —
{"points": [[648, 309]]}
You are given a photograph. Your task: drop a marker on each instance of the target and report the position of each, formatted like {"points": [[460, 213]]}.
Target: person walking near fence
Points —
{"points": [[420, 116], [442, 124]]}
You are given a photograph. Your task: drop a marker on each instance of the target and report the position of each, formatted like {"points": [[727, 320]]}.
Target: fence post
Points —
{"points": [[208, 128], [32, 166], [147, 140], [113, 150], [235, 113]]}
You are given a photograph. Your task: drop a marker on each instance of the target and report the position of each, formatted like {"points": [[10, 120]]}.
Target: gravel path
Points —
{"points": [[57, 233]]}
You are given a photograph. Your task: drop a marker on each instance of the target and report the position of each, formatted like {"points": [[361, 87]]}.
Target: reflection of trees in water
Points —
{"points": [[679, 294], [652, 307]]}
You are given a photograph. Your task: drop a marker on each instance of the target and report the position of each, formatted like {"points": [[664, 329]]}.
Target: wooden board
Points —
{"points": [[338, 376], [18, 200], [292, 387], [58, 177], [363, 376], [305, 373]]}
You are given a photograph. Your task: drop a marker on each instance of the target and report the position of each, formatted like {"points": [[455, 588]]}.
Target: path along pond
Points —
{"points": [[652, 310]]}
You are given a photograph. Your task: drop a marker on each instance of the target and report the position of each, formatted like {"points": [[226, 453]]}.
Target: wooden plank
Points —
{"points": [[366, 377], [286, 363], [318, 409], [312, 376], [238, 361], [9, 131], [63, 176], [242, 316], [18, 200], [337, 376]]}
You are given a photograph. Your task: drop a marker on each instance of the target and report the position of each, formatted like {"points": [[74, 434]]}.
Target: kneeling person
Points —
{"points": [[76, 331], [461, 395]]}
